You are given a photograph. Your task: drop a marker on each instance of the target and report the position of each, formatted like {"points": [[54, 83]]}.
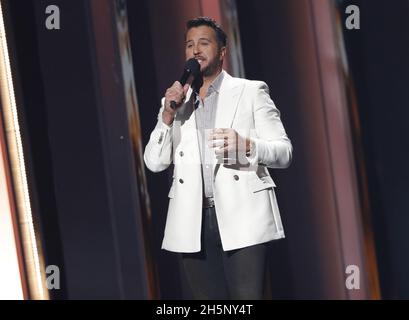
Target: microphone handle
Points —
{"points": [[183, 79]]}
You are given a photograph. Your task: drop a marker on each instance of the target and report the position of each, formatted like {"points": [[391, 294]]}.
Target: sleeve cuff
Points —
{"points": [[165, 126], [252, 157]]}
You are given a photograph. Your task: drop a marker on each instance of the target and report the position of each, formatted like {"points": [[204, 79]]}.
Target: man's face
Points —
{"points": [[201, 44]]}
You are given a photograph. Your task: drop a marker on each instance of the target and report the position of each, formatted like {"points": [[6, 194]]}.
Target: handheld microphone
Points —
{"points": [[192, 68]]}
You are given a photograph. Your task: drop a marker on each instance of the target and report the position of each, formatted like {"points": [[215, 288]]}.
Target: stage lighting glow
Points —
{"points": [[32, 258]]}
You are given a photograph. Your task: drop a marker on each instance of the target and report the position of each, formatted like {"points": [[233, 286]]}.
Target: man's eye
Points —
{"points": [[189, 46]]}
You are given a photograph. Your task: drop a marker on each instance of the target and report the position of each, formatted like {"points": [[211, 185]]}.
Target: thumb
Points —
{"points": [[185, 88]]}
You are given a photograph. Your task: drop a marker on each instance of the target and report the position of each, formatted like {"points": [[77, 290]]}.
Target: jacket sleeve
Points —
{"points": [[270, 145], [158, 152]]}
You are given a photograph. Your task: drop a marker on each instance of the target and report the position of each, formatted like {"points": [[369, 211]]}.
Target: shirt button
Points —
{"points": [[181, 153], [181, 180], [236, 177]]}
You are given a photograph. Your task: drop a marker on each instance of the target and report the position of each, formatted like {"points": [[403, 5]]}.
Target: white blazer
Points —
{"points": [[245, 202]]}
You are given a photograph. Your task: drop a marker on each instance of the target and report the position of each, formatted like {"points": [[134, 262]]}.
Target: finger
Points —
{"points": [[217, 136], [219, 130], [177, 84], [217, 143], [175, 95], [223, 131], [185, 89], [226, 130], [223, 151], [171, 96], [176, 91]]}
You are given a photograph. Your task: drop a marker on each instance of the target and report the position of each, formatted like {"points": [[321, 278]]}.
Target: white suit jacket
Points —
{"points": [[245, 202]]}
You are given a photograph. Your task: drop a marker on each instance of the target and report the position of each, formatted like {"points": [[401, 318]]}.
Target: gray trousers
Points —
{"points": [[217, 274]]}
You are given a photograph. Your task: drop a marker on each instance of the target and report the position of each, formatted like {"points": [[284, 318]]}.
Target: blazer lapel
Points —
{"points": [[185, 122], [229, 96]]}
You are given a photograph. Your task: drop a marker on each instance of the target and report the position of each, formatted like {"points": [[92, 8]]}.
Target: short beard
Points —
{"points": [[212, 68]]}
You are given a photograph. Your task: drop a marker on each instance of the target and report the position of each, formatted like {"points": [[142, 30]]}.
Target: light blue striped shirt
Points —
{"points": [[205, 113]]}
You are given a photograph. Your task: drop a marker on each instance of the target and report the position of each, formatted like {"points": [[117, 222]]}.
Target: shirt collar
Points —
{"points": [[216, 84]]}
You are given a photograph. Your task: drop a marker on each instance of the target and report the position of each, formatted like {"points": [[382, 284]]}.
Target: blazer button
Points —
{"points": [[181, 180], [160, 138], [236, 177], [181, 153]]}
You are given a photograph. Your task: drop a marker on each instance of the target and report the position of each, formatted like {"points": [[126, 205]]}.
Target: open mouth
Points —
{"points": [[200, 60]]}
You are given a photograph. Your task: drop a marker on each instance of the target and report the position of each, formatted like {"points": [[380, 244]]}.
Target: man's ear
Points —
{"points": [[222, 53]]}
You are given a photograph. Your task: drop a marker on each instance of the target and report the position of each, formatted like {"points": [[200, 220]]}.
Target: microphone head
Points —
{"points": [[193, 67]]}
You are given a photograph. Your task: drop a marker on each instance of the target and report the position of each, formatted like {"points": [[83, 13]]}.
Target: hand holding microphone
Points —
{"points": [[175, 95]]}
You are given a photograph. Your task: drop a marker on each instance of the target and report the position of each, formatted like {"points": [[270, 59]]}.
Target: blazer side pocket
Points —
{"points": [[258, 184]]}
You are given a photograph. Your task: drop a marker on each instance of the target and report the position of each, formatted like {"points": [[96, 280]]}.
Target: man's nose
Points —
{"points": [[196, 50]]}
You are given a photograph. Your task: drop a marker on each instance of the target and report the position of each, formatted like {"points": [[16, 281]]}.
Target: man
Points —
{"points": [[221, 138]]}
